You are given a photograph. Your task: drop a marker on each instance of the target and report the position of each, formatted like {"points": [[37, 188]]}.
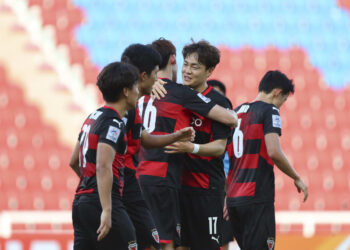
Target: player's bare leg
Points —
{"points": [[182, 248], [169, 246]]}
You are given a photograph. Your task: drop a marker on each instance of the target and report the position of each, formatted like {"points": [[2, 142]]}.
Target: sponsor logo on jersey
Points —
{"points": [[155, 235], [204, 98], [113, 134], [276, 121], [132, 245], [270, 243], [196, 121], [178, 229]]}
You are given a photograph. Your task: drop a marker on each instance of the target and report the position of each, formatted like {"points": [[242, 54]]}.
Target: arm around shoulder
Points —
{"points": [[225, 116]]}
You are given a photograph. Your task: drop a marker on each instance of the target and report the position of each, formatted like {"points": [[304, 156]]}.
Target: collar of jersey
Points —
{"points": [[109, 107]]}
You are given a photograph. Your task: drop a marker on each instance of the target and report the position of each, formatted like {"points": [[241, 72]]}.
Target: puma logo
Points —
{"points": [[119, 122], [216, 239]]}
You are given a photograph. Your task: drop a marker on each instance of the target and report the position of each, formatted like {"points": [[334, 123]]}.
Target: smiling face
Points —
{"points": [[194, 74]]}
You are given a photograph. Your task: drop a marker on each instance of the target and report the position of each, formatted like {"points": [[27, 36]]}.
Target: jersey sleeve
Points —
{"points": [[219, 130], [112, 132], [272, 121], [196, 102]]}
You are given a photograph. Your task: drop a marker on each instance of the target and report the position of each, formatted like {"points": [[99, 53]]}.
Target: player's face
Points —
{"points": [[133, 95], [146, 86], [194, 74]]}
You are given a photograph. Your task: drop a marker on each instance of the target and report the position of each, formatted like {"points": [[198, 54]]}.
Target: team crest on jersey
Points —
{"points": [[113, 134], [204, 98], [276, 121], [270, 243], [132, 245], [178, 229], [155, 235]]}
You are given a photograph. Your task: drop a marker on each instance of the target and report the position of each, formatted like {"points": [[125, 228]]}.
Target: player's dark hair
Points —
{"points": [[216, 83], [276, 79], [165, 48], [208, 55], [114, 77], [142, 57]]}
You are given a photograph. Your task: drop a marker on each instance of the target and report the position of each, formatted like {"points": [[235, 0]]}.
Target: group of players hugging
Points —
{"points": [[150, 161]]}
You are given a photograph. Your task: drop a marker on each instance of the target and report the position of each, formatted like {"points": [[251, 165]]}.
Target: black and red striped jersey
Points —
{"points": [[206, 172], [134, 130], [102, 126], [165, 116], [251, 177]]}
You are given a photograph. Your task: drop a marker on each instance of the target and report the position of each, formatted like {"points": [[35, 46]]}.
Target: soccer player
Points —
{"points": [[227, 234], [99, 217], [159, 172], [203, 177], [254, 149], [147, 60]]}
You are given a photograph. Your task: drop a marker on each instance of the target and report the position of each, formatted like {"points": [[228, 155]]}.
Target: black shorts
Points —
{"points": [[146, 232], [86, 220], [131, 190], [254, 225], [163, 202], [201, 220], [227, 233]]}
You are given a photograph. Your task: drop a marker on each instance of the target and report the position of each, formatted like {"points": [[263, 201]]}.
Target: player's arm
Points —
{"points": [[74, 159], [214, 148], [104, 175], [275, 152], [217, 113], [159, 141], [225, 116]]}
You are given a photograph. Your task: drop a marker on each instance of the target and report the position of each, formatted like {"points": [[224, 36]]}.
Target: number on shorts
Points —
{"points": [[212, 224]]}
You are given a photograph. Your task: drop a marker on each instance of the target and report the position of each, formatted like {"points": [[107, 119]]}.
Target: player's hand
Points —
{"points": [[105, 225], [186, 134], [158, 90], [225, 212], [179, 147], [301, 187]]}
